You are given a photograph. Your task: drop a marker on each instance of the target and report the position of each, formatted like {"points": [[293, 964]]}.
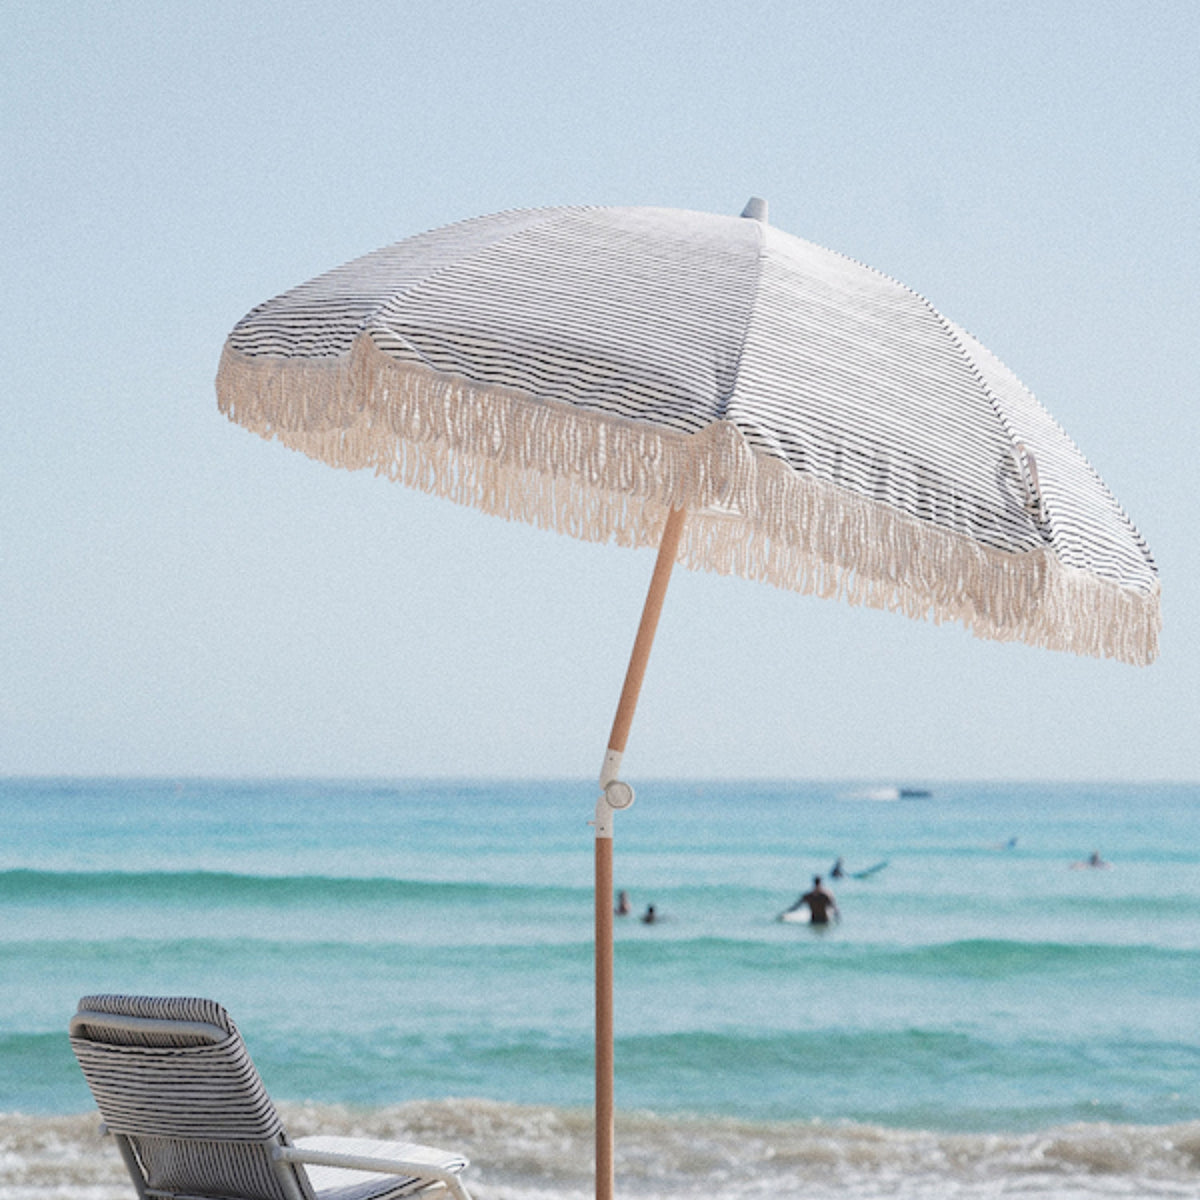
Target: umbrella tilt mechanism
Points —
{"points": [[616, 795]]}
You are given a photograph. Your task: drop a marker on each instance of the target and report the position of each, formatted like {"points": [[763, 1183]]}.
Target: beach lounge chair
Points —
{"points": [[177, 1091]]}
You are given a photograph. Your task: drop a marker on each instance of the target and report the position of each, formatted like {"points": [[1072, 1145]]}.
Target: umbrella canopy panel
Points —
{"points": [[828, 430]]}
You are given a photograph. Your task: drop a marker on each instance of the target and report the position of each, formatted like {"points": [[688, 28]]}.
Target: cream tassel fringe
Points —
{"points": [[601, 478]]}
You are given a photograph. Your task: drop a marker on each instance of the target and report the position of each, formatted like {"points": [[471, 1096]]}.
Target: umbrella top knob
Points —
{"points": [[756, 208]]}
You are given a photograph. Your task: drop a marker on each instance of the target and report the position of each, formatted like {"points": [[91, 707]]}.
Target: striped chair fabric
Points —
{"points": [[176, 1086]]}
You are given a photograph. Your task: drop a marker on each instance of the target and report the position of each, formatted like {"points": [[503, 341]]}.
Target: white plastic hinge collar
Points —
{"points": [[611, 768], [614, 795]]}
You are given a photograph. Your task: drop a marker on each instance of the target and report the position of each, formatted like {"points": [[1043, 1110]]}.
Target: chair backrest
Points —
{"points": [[174, 1083]]}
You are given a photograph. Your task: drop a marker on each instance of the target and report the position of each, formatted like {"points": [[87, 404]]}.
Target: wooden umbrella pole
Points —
{"points": [[667, 550], [605, 1106]]}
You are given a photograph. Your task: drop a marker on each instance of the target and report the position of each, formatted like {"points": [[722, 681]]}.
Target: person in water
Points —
{"points": [[820, 903], [622, 904], [839, 868], [649, 916]]}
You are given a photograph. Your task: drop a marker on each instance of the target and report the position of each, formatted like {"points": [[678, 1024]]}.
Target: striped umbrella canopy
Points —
{"points": [[749, 402]]}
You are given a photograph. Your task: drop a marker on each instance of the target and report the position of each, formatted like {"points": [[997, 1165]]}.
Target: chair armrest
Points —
{"points": [[382, 1158]]}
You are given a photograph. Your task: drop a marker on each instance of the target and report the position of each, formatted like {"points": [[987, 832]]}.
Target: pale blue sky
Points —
{"points": [[179, 597]]}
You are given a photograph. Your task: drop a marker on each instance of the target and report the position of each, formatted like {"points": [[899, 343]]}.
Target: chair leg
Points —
{"points": [[131, 1162]]}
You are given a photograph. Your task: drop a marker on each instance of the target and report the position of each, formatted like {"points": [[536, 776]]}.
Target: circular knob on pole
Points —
{"points": [[618, 794]]}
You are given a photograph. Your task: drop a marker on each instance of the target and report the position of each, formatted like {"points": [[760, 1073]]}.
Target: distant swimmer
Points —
{"points": [[649, 916], [839, 870], [622, 904], [1092, 860], [819, 902]]}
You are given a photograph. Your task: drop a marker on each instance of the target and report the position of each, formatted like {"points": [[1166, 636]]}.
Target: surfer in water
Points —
{"points": [[820, 903]]}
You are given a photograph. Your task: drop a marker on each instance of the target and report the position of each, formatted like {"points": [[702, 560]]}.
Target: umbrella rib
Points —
{"points": [[735, 370], [951, 332]]}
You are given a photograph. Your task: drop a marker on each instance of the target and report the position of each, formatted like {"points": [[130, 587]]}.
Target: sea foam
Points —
{"points": [[540, 1153]]}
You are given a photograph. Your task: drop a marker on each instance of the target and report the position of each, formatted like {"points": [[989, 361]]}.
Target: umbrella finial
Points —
{"points": [[756, 208]]}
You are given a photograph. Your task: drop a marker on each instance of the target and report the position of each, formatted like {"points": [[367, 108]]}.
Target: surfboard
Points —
{"points": [[801, 916], [869, 871]]}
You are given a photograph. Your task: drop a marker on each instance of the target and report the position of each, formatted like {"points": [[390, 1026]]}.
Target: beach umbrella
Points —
{"points": [[748, 402]]}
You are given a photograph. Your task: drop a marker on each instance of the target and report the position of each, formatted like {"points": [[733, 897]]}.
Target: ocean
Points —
{"points": [[413, 958]]}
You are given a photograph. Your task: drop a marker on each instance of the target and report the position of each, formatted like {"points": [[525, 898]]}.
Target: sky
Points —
{"points": [[179, 597]]}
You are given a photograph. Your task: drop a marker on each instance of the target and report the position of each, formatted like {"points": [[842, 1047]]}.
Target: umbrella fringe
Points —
{"points": [[600, 478]]}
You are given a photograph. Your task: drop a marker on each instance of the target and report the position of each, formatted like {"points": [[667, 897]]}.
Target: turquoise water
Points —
{"points": [[383, 944]]}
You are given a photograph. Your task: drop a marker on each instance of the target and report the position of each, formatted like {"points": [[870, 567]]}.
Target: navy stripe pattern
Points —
{"points": [[165, 1084], [828, 430]]}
